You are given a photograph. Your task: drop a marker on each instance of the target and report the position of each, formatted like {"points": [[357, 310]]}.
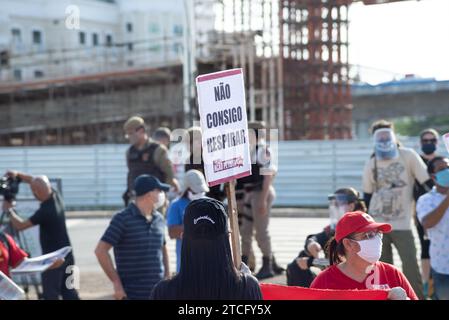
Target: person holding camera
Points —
{"points": [[53, 232]]}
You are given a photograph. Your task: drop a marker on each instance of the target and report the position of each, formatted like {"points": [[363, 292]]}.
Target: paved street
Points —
{"points": [[288, 235]]}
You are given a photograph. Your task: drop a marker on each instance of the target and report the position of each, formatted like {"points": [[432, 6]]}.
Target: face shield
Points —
{"points": [[338, 205], [385, 144]]}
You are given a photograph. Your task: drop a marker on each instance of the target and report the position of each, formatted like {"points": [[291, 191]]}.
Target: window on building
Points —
{"points": [[177, 30], [38, 74], [94, 39], [129, 27], [17, 74], [130, 47], [177, 48], [82, 37], [16, 36], [4, 58], [37, 37], [155, 48], [108, 40], [154, 28]]}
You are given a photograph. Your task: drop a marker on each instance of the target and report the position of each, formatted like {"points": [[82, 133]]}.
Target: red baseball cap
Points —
{"points": [[358, 221]]}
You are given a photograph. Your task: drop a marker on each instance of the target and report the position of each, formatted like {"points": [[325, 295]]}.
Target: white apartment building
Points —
{"points": [[41, 39]]}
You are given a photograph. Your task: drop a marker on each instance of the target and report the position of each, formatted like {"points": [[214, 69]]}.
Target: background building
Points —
{"points": [[66, 85]]}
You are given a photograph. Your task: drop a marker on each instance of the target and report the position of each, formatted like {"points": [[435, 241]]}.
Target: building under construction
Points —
{"points": [[294, 54]]}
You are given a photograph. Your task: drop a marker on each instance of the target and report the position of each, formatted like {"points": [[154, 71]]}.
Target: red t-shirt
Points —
{"points": [[12, 257], [383, 276]]}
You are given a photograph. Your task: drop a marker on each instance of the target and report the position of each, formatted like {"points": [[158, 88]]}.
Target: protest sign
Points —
{"points": [[224, 126], [9, 290], [41, 263], [225, 139]]}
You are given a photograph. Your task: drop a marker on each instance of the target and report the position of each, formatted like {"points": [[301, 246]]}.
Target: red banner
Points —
{"points": [[278, 292]]}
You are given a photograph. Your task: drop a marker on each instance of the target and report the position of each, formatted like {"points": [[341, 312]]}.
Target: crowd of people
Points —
{"points": [[357, 243]]}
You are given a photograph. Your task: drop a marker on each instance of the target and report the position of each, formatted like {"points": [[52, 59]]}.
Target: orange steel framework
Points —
{"points": [[317, 99]]}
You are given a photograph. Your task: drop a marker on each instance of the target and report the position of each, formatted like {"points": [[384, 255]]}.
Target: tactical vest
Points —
{"points": [[142, 162], [255, 180]]}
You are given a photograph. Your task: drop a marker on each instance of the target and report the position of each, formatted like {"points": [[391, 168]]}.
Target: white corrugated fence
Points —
{"points": [[95, 176]]}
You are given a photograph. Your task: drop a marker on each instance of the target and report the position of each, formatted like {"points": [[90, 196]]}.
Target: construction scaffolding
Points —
{"points": [[316, 69], [247, 36], [88, 109], [295, 59]]}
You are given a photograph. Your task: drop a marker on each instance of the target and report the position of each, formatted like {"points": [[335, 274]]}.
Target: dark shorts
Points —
{"points": [[425, 243]]}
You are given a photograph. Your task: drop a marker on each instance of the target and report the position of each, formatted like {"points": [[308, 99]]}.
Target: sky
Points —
{"points": [[391, 40]]}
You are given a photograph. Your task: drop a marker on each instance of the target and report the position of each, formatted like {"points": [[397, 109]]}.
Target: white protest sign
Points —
{"points": [[9, 290], [41, 263], [224, 125]]}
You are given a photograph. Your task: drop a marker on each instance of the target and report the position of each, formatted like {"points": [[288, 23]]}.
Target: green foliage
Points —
{"points": [[412, 127]]}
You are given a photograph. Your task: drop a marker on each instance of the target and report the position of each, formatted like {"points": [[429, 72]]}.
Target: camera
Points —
{"points": [[9, 187]]}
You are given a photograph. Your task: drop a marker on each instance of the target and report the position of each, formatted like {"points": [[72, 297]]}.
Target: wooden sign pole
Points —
{"points": [[234, 223]]}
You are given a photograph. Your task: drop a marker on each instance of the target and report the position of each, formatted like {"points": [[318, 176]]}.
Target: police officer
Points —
{"points": [[145, 156], [258, 198], [195, 161], [162, 135]]}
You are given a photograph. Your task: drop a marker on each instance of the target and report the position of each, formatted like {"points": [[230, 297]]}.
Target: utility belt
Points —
{"points": [[244, 216], [239, 194]]}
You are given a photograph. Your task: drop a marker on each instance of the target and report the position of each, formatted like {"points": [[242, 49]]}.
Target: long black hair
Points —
{"points": [[207, 270], [335, 251]]}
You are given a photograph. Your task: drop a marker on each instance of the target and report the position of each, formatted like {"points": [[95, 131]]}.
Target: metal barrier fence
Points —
{"points": [[95, 176]]}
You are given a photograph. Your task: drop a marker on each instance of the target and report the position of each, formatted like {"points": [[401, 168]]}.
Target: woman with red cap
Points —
{"points": [[354, 255]]}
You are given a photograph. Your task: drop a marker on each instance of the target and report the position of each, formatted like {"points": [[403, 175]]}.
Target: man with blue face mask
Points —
{"points": [[429, 142], [433, 212], [388, 182], [385, 144]]}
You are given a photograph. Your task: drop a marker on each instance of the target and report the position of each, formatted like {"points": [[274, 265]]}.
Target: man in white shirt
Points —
{"points": [[388, 180], [433, 213]]}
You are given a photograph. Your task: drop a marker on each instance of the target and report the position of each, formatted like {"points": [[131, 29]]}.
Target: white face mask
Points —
{"points": [[195, 196], [160, 200], [370, 250]]}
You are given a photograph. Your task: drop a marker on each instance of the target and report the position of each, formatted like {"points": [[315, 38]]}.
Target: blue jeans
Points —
{"points": [[441, 285]]}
